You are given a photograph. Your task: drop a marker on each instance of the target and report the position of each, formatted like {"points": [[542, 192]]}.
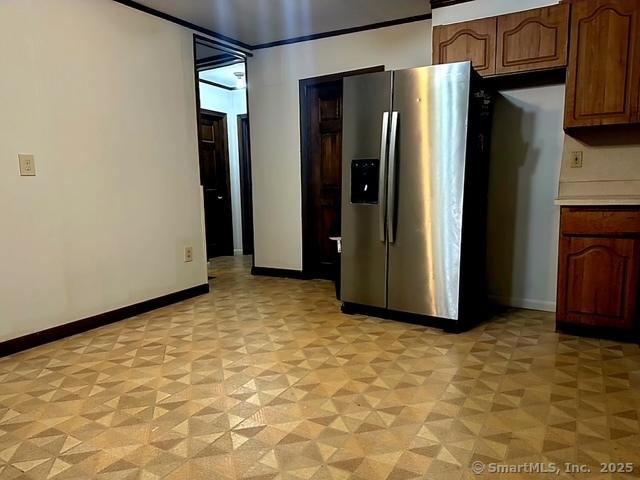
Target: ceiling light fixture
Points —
{"points": [[240, 81]]}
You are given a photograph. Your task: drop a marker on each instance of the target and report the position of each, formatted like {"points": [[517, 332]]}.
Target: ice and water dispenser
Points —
{"points": [[365, 176]]}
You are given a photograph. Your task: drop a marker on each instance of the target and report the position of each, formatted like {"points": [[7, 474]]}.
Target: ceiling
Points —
{"points": [[224, 75], [256, 22]]}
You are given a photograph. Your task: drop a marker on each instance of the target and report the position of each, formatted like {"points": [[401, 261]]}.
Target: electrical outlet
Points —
{"points": [[188, 254], [27, 165], [576, 160]]}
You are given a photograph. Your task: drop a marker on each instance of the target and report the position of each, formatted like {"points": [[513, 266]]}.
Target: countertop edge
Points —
{"points": [[592, 202]]}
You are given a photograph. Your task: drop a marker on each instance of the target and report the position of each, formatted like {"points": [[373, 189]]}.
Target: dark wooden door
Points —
{"points": [[324, 110], [246, 196], [603, 78], [214, 175], [321, 142], [474, 41]]}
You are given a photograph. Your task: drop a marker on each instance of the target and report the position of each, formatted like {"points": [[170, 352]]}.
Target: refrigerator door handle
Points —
{"points": [[391, 187], [382, 188]]}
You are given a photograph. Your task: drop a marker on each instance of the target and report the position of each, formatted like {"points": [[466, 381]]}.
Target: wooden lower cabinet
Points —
{"points": [[598, 270]]}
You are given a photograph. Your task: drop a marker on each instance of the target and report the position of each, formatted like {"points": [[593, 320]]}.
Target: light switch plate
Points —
{"points": [[27, 165], [576, 159]]}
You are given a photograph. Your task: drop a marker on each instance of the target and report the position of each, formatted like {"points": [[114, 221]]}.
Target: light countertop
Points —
{"points": [[597, 201]]}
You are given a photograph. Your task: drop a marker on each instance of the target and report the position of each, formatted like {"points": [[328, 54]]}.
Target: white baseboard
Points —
{"points": [[527, 303], [237, 251]]}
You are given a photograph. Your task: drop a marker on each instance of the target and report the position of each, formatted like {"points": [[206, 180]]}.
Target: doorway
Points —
{"points": [[246, 196], [216, 186], [321, 168], [221, 99]]}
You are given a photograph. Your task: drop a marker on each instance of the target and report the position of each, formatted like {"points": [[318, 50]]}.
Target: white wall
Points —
{"points": [[233, 103], [273, 76], [104, 96], [523, 222], [610, 166], [484, 8]]}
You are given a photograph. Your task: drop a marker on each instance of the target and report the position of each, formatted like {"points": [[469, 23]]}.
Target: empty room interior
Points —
{"points": [[319, 239]]}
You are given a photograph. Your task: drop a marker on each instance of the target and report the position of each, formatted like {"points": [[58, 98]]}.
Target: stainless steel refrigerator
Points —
{"points": [[415, 168]]}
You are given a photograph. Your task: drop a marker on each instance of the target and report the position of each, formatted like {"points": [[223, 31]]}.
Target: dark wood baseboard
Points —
{"points": [[326, 275], [607, 333], [279, 272], [31, 340]]}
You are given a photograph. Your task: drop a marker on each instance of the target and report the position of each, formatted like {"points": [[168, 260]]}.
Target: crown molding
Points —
{"points": [[184, 23], [344, 31], [446, 3], [232, 42]]}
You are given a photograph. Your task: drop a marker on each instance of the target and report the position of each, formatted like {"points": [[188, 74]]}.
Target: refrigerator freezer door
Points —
{"points": [[426, 213], [366, 99]]}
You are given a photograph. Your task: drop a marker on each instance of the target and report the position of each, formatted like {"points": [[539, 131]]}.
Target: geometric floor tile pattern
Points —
{"points": [[264, 378]]}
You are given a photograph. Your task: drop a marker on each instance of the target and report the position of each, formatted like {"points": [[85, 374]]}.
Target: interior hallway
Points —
{"points": [[265, 378]]}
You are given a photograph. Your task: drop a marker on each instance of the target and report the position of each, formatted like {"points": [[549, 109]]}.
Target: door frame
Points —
{"points": [[305, 152], [220, 116], [246, 188], [240, 55]]}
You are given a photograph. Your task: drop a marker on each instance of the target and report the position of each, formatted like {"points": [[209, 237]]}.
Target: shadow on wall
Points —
{"points": [[523, 221], [512, 155]]}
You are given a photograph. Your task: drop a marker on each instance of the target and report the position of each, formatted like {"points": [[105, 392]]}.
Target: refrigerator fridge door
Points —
{"points": [[428, 168], [366, 105]]}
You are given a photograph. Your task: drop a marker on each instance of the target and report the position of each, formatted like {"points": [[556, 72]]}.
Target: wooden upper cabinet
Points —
{"points": [[475, 41], [603, 78], [533, 40]]}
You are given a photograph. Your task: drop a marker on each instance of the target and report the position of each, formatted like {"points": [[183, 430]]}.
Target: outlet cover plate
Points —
{"points": [[576, 160], [27, 165]]}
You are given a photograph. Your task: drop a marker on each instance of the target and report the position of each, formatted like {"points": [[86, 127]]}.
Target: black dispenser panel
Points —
{"points": [[365, 175]]}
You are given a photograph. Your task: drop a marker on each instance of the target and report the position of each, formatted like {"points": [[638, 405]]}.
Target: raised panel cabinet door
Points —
{"points": [[474, 41], [603, 77], [597, 281], [533, 40]]}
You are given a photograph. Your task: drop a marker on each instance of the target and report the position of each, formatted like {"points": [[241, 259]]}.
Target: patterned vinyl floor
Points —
{"points": [[265, 379]]}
